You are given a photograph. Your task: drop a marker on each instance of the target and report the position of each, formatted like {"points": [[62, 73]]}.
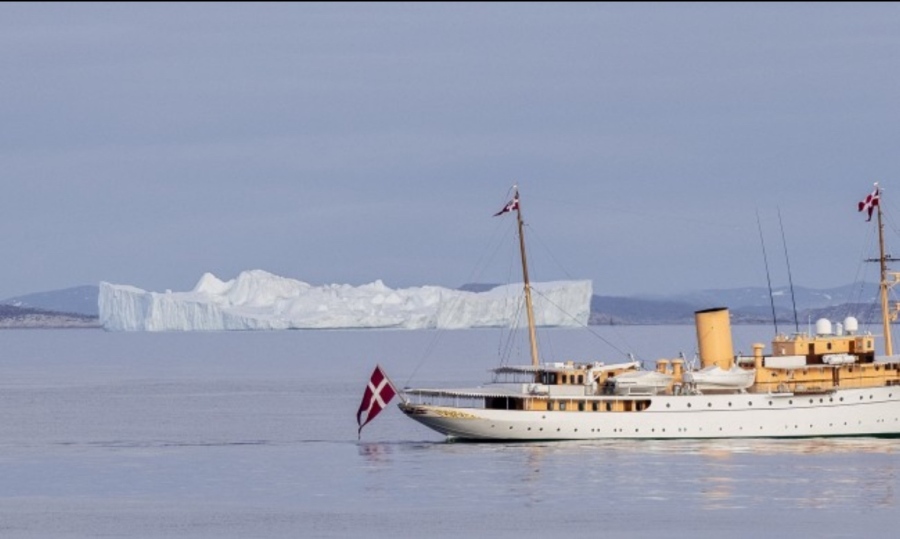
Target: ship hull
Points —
{"points": [[847, 412]]}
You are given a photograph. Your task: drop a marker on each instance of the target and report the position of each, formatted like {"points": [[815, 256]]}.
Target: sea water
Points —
{"points": [[253, 434]]}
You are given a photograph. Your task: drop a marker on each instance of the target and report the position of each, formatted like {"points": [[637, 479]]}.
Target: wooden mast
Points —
{"points": [[885, 315], [529, 307]]}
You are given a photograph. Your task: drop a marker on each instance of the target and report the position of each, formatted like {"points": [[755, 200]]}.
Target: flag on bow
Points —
{"points": [[378, 394], [870, 202], [510, 206]]}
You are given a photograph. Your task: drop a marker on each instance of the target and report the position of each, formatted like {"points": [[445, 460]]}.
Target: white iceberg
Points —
{"points": [[258, 300]]}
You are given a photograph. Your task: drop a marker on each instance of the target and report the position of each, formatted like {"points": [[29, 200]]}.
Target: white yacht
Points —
{"points": [[831, 383]]}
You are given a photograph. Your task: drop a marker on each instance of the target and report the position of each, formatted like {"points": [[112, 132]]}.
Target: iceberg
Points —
{"points": [[258, 300]]}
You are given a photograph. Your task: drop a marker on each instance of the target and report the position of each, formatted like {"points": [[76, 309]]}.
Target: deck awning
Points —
{"points": [[473, 392], [561, 367]]}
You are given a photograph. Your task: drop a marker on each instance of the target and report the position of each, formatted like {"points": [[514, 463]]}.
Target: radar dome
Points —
{"points": [[823, 326], [851, 324]]}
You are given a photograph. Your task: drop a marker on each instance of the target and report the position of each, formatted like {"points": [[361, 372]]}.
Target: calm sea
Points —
{"points": [[253, 434]]}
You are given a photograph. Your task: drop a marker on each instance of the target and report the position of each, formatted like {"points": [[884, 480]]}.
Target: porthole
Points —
{"points": [[689, 405], [709, 405]]}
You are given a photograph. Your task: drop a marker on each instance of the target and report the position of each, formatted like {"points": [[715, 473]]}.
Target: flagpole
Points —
{"points": [[399, 393]]}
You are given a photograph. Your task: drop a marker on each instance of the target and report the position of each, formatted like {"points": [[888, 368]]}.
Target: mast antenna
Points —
{"points": [[790, 278], [768, 279]]}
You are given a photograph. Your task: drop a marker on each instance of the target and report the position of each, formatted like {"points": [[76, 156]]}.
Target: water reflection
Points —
{"points": [[850, 473]]}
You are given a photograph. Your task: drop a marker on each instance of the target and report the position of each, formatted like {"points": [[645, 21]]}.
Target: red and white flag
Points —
{"points": [[510, 206], [870, 202], [378, 394]]}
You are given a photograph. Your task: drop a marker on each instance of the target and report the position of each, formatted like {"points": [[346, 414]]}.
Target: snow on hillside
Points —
{"points": [[258, 300]]}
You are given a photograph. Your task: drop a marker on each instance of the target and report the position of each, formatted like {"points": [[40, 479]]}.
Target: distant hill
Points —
{"points": [[77, 300], [747, 305], [806, 298]]}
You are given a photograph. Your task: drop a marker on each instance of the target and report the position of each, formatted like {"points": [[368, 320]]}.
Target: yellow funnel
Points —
{"points": [[714, 337]]}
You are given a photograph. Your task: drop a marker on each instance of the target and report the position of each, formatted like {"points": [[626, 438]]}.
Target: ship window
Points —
{"points": [[562, 406], [580, 378], [829, 346], [594, 406], [580, 406], [609, 407]]}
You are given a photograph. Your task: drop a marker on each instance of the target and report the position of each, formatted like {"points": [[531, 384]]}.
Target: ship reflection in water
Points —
{"points": [[728, 474]]}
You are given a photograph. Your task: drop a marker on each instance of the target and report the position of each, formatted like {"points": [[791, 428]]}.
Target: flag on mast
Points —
{"points": [[510, 206], [378, 394], [870, 202]]}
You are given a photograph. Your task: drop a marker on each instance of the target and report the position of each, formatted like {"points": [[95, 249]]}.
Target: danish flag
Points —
{"points": [[510, 206], [870, 202], [378, 394]]}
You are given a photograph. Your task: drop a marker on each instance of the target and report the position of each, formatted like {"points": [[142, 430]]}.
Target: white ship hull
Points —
{"points": [[847, 412]]}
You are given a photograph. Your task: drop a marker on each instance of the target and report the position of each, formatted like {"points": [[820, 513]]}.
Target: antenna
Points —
{"points": [[790, 278], [768, 279]]}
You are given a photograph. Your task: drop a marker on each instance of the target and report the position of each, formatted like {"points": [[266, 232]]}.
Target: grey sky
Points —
{"points": [[146, 144]]}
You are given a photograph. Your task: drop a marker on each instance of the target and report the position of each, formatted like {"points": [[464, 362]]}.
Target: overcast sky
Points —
{"points": [[146, 144]]}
